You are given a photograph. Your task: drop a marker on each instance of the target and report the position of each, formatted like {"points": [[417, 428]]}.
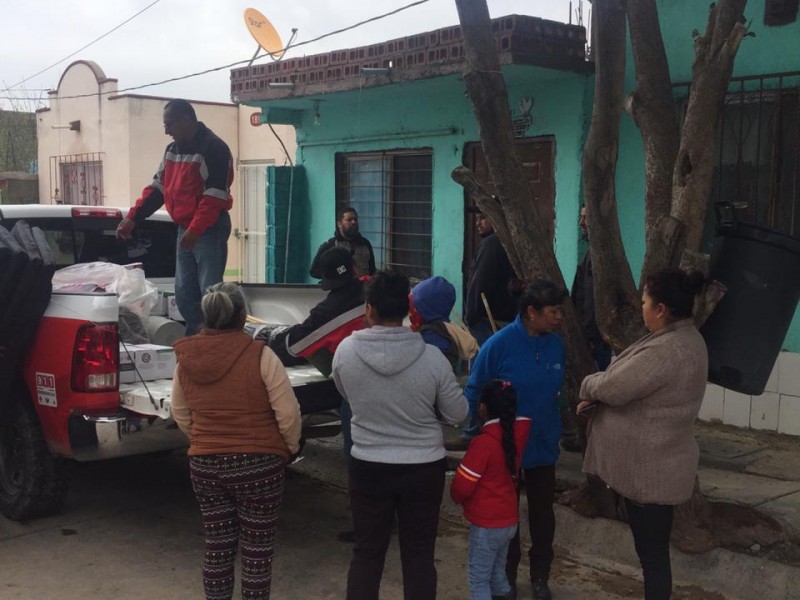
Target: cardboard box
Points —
{"points": [[152, 398], [145, 362], [172, 307]]}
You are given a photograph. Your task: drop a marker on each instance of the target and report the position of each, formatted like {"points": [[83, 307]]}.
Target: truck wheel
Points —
{"points": [[33, 483]]}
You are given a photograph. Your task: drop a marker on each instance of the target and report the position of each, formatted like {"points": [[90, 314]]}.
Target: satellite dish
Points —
{"points": [[264, 33]]}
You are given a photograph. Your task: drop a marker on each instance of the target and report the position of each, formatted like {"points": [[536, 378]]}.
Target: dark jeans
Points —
{"points": [[651, 525], [346, 416], [540, 489], [378, 491]]}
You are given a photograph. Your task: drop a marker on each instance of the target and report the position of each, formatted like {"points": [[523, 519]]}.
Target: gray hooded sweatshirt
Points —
{"points": [[393, 381]]}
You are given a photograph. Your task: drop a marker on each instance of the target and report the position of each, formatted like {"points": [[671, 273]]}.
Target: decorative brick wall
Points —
{"points": [[529, 40]]}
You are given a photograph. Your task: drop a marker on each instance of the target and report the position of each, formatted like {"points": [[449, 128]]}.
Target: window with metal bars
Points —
{"points": [[77, 179], [757, 163], [392, 192]]}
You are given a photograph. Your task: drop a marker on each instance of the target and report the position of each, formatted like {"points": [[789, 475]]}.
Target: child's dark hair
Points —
{"points": [[500, 399]]}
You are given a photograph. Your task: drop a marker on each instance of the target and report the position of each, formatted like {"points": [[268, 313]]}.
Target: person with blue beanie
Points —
{"points": [[431, 302]]}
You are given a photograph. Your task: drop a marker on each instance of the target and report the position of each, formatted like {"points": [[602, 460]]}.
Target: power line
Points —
{"points": [[231, 65], [107, 33]]}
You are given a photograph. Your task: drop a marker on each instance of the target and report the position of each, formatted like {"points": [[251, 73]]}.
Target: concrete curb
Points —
{"points": [[605, 544]]}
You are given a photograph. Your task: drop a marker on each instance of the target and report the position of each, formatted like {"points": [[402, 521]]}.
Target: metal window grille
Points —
{"points": [[77, 179], [757, 165], [392, 192]]}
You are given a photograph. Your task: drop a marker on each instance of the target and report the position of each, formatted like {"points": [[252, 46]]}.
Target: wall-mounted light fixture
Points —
{"points": [[375, 71], [73, 126], [281, 85]]}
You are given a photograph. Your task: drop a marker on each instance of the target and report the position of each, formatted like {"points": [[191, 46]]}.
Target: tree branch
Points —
{"points": [[653, 110], [525, 238]]}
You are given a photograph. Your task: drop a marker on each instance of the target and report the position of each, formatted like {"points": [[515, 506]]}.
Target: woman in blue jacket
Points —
{"points": [[531, 356]]}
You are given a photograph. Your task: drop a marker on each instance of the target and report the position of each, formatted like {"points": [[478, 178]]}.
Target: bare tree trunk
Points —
{"points": [[653, 110], [617, 303], [517, 224], [694, 167]]}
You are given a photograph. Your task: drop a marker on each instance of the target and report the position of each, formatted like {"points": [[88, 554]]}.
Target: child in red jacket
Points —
{"points": [[486, 484]]}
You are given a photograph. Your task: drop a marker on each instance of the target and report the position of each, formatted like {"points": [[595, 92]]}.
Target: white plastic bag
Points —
{"points": [[87, 276], [128, 282], [134, 291]]}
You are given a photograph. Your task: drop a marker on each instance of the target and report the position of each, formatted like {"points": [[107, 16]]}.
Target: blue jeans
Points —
{"points": [[488, 549], [200, 268]]}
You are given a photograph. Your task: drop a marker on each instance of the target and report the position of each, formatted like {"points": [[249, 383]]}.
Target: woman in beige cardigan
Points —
{"points": [[641, 434]]}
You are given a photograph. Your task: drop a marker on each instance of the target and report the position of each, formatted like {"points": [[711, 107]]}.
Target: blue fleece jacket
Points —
{"points": [[535, 366]]}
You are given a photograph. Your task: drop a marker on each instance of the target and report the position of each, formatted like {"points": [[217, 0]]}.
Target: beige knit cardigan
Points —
{"points": [[641, 437]]}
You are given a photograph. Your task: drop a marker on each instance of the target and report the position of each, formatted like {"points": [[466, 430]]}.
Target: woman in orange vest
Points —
{"points": [[232, 397]]}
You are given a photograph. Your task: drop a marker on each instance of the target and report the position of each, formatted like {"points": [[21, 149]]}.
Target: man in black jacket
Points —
{"points": [[329, 322], [583, 297], [347, 236], [489, 274]]}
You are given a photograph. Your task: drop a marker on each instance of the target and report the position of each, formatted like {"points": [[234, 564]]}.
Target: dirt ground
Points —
{"points": [[131, 530]]}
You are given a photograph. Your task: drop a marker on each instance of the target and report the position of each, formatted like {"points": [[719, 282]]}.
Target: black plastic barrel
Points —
{"points": [[761, 268]]}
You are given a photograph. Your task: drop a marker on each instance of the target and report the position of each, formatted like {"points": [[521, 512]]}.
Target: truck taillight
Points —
{"points": [[95, 359]]}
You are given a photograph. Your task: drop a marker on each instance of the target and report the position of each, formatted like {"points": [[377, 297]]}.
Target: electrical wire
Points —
{"points": [[107, 33], [228, 66], [280, 141]]}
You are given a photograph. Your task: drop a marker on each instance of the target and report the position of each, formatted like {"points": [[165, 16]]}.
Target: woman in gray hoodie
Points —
{"points": [[395, 383]]}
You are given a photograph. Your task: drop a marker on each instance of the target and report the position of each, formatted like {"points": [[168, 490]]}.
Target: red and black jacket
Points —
{"points": [[193, 183]]}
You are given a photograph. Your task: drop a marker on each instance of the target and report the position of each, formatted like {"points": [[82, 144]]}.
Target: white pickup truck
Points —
{"points": [[65, 402]]}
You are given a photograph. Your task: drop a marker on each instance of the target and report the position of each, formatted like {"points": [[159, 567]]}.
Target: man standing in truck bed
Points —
{"points": [[193, 182]]}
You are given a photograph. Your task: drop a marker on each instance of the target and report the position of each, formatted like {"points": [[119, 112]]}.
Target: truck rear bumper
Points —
{"points": [[94, 436], [100, 437]]}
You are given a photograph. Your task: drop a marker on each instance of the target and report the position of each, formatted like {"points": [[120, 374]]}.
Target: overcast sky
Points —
{"points": [[173, 38]]}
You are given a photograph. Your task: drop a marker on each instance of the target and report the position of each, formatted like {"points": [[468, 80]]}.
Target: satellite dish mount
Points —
{"points": [[265, 35]]}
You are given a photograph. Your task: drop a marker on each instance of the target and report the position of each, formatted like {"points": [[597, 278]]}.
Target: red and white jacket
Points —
{"points": [[483, 484], [193, 182]]}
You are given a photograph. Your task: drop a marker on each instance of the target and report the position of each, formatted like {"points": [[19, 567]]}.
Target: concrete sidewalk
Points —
{"points": [[740, 467]]}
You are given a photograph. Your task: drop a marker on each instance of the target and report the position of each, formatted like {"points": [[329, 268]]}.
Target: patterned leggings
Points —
{"points": [[239, 497]]}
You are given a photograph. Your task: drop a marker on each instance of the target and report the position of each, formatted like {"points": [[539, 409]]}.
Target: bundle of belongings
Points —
{"points": [[26, 268]]}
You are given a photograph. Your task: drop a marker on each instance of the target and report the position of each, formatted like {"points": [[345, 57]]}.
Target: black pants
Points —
{"points": [[540, 489], [378, 491], [651, 525]]}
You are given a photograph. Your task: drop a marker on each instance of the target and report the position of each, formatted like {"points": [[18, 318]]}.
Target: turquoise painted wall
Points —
{"points": [[436, 114], [772, 50]]}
